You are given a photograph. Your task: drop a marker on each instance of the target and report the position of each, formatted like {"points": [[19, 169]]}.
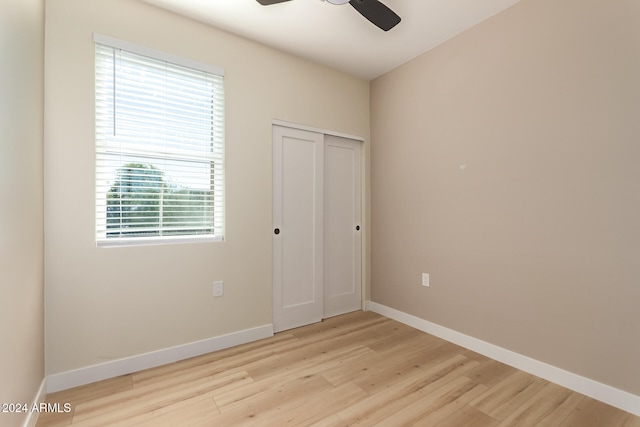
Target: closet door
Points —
{"points": [[316, 227], [298, 227], [342, 226]]}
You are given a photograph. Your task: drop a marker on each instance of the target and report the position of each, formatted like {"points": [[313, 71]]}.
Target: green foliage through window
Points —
{"points": [[142, 202]]}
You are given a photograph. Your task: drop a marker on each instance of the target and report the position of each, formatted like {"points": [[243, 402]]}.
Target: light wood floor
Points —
{"points": [[356, 369]]}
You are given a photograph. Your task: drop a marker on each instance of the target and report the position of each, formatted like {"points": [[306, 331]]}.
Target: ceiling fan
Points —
{"points": [[376, 12]]}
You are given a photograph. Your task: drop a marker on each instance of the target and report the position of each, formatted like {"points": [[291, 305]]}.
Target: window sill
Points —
{"points": [[148, 241]]}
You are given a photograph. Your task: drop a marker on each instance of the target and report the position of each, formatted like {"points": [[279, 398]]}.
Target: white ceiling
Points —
{"points": [[337, 35]]}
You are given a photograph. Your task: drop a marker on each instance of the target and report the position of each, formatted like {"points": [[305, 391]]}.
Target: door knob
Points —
{"points": [[276, 231], [357, 228]]}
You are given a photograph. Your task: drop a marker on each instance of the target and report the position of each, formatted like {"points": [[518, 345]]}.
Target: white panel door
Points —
{"points": [[342, 226], [298, 227]]}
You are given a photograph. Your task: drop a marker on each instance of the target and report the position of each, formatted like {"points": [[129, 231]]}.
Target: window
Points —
{"points": [[159, 147]]}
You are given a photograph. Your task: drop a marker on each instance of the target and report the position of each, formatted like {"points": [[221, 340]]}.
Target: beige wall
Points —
{"points": [[109, 303], [535, 245], [21, 235]]}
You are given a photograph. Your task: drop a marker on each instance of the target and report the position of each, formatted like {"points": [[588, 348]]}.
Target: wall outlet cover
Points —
{"points": [[218, 289], [425, 279]]}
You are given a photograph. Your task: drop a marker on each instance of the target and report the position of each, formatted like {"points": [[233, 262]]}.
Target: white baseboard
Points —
{"points": [[32, 417], [115, 368], [602, 392]]}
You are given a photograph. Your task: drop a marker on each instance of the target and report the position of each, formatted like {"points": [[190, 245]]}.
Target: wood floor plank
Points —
{"points": [[255, 395], [467, 416], [391, 335], [330, 421], [314, 410], [55, 419], [80, 395], [446, 406], [356, 369], [94, 391], [491, 372], [340, 325], [547, 408], [124, 405], [285, 372], [592, 413], [433, 407], [269, 403], [200, 410], [393, 399], [508, 395], [313, 357], [400, 366]]}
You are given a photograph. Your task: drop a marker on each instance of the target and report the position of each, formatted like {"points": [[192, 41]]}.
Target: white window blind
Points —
{"points": [[159, 149]]}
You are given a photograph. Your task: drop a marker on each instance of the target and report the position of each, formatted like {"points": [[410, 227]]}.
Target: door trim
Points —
{"points": [[286, 124]]}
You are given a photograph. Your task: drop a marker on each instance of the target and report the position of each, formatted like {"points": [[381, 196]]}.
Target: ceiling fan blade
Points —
{"points": [[376, 12], [269, 2]]}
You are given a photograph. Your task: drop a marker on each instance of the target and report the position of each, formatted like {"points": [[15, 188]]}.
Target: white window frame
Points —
{"points": [[102, 240]]}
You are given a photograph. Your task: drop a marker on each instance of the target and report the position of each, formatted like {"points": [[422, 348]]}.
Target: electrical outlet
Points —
{"points": [[425, 279], [218, 289]]}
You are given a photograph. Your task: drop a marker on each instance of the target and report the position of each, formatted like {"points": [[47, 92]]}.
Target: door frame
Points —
{"points": [[292, 125]]}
